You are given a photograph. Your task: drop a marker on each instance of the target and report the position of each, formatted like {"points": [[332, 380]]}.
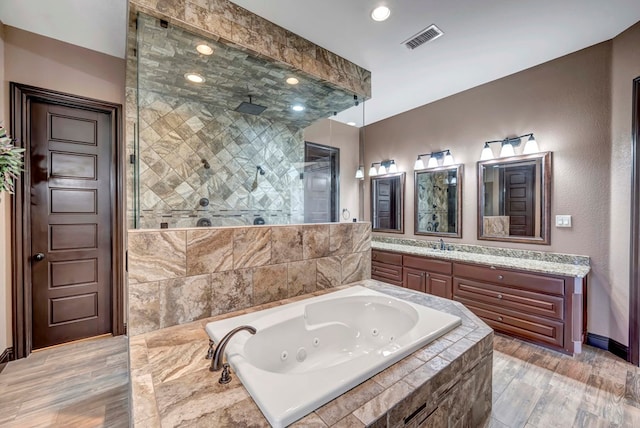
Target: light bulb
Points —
{"points": [[448, 159], [393, 168], [382, 170], [373, 171], [433, 162], [531, 146], [360, 173], [507, 151], [487, 153], [380, 13], [419, 164]]}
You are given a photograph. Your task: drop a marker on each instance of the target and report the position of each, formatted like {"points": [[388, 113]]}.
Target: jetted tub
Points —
{"points": [[307, 353]]}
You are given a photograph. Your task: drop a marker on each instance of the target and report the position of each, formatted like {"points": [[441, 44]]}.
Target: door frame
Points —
{"points": [[634, 268], [21, 97], [334, 155]]}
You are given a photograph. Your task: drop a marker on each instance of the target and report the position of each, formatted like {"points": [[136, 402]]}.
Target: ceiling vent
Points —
{"points": [[429, 34]]}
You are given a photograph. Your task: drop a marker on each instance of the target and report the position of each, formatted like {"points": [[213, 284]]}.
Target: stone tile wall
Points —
{"points": [[232, 23], [178, 276]]}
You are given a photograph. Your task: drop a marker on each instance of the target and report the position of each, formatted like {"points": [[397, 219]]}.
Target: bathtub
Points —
{"points": [[307, 353]]}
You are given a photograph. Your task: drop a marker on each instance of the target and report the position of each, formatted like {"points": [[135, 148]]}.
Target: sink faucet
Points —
{"points": [[218, 355], [442, 245]]}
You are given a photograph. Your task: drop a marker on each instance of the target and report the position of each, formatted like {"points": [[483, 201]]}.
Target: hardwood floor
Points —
{"points": [[83, 384], [86, 385]]}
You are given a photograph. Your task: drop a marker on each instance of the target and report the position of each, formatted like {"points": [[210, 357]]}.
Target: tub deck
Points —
{"points": [[172, 386]]}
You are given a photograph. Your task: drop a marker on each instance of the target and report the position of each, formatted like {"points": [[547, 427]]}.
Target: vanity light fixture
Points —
{"points": [[380, 13], [292, 81], [360, 173], [204, 49], [194, 77], [507, 147], [433, 159], [386, 167]]}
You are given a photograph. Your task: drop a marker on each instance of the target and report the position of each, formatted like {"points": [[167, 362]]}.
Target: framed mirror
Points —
{"points": [[438, 201], [387, 203], [514, 199]]}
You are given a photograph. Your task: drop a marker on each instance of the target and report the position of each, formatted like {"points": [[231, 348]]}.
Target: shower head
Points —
{"points": [[250, 108], [260, 170]]}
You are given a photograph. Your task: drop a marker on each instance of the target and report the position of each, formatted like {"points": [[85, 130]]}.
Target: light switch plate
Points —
{"points": [[563, 221]]}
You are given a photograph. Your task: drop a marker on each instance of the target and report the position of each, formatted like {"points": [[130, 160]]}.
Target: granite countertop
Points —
{"points": [[172, 386], [559, 267]]}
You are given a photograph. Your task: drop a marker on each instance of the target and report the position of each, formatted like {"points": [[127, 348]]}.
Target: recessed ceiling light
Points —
{"points": [[194, 77], [204, 49], [292, 81], [380, 13], [351, 123], [297, 107]]}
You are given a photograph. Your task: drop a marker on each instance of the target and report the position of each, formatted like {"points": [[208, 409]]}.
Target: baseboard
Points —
{"points": [[602, 342], [5, 357]]}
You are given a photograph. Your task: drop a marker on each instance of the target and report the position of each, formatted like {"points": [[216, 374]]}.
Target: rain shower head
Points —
{"points": [[250, 108]]}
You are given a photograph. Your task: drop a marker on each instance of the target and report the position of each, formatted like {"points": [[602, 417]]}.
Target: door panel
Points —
{"points": [[519, 200], [70, 223]]}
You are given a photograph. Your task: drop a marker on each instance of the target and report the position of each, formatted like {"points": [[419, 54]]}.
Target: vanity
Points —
{"points": [[541, 298]]}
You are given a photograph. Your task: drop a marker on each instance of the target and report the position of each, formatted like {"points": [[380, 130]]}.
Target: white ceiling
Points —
{"points": [[483, 41]]}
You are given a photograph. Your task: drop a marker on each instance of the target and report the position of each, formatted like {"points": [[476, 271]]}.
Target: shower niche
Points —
{"points": [[215, 122]]}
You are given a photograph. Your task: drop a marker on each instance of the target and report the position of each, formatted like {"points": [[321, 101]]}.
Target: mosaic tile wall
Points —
{"points": [[178, 137], [179, 276]]}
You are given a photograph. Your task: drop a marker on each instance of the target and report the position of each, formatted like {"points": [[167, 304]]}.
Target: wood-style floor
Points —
{"points": [[85, 385]]}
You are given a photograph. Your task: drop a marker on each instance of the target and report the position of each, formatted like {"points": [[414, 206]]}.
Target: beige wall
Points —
{"points": [[567, 104], [625, 68], [40, 61], [346, 138]]}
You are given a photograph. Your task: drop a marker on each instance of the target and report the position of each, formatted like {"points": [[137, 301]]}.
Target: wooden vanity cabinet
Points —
{"points": [[427, 275], [386, 267], [540, 308]]}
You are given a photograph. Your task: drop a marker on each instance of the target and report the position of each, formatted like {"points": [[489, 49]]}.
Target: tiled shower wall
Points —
{"points": [[178, 276], [176, 136], [433, 202]]}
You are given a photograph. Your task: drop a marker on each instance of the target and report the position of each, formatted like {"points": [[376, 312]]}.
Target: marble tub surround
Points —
{"points": [[534, 261], [225, 21], [182, 275], [448, 380]]}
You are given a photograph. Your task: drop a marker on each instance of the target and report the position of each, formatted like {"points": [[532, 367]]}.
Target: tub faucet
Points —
{"points": [[218, 354], [442, 245]]}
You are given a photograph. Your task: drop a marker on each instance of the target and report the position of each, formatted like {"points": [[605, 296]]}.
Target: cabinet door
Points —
{"points": [[439, 285], [415, 279]]}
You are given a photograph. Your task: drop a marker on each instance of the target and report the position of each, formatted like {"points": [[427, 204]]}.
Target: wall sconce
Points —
{"points": [[386, 167], [507, 147], [433, 159], [360, 173]]}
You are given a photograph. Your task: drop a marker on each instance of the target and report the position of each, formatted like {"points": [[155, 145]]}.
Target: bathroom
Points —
{"points": [[542, 99]]}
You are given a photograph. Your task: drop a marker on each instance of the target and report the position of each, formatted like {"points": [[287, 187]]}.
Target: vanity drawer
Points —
{"points": [[387, 273], [427, 265], [526, 326], [538, 283], [388, 258], [510, 298]]}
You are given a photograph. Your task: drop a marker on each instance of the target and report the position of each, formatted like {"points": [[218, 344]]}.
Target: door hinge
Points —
{"points": [[126, 261], [132, 159]]}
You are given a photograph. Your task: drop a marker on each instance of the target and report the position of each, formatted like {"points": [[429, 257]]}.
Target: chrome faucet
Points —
{"points": [[442, 245], [218, 355]]}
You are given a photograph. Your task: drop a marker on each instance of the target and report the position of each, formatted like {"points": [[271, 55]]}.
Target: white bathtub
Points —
{"points": [[306, 353]]}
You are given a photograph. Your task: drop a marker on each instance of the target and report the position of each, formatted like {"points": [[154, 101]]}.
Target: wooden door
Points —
{"points": [[518, 199], [384, 205], [414, 279], [71, 235]]}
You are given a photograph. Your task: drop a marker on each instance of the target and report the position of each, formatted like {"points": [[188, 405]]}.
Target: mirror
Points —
{"points": [[438, 202], [387, 203], [514, 197]]}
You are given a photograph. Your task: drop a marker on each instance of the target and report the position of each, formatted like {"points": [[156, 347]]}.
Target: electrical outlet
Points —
{"points": [[563, 221]]}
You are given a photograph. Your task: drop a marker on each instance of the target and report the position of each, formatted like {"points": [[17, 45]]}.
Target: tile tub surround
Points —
{"points": [[449, 379], [534, 261], [181, 275]]}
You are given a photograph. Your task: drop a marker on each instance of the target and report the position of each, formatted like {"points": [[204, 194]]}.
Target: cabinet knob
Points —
{"points": [[499, 296], [492, 267], [499, 318], [422, 274], [38, 257], [500, 277]]}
